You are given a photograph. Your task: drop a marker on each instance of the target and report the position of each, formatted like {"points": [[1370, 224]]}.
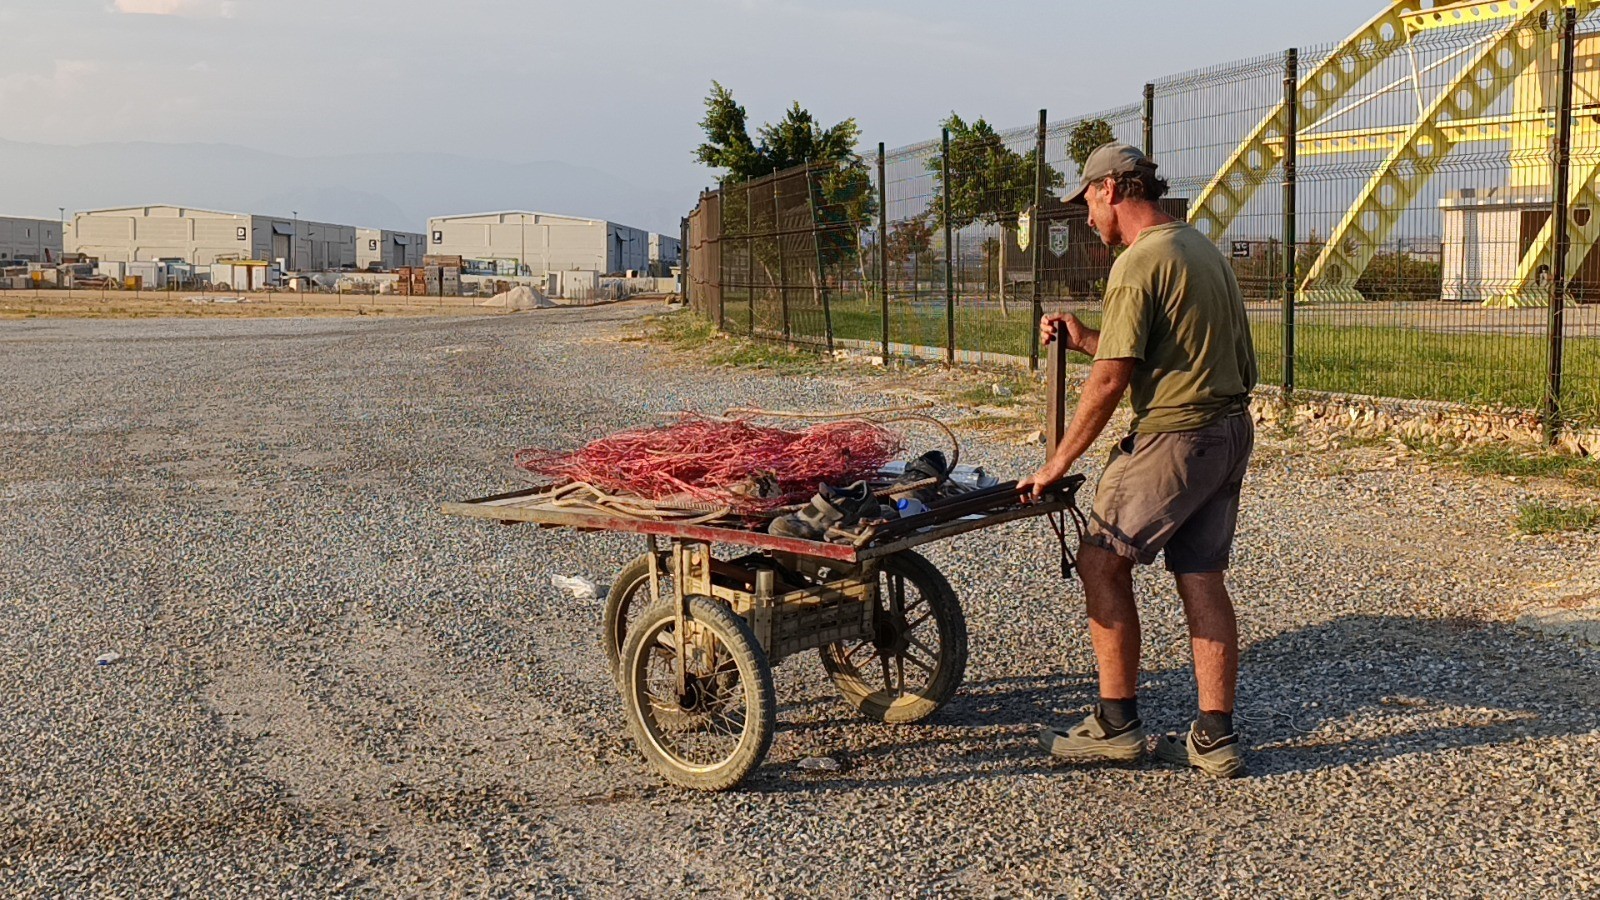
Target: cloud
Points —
{"points": [[198, 8]]}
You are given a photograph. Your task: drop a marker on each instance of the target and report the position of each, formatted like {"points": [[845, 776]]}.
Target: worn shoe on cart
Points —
{"points": [[830, 508], [930, 466], [1220, 758], [1094, 740]]}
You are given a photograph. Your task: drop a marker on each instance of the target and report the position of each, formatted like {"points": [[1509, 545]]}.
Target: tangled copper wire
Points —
{"points": [[721, 462]]}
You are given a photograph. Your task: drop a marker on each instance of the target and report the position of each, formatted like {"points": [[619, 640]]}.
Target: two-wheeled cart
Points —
{"points": [[692, 637]]}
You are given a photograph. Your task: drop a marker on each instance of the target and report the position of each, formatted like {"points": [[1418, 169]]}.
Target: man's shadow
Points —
{"points": [[1355, 690]]}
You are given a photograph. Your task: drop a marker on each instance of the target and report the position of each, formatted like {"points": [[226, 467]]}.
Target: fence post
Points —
{"points": [[949, 260], [749, 262], [1033, 242], [816, 246], [783, 279], [1291, 133], [1149, 119], [883, 257], [1561, 232]]}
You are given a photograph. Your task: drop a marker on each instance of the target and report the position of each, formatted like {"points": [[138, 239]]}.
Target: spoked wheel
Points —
{"points": [[710, 733], [629, 596], [918, 654]]}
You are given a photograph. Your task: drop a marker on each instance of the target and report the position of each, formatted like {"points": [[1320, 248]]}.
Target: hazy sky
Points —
{"points": [[617, 85]]}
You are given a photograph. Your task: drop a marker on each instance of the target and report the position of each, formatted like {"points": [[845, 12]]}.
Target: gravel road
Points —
{"points": [[325, 687]]}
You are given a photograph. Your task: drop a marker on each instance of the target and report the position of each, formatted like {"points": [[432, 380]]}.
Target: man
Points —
{"points": [[1174, 330]]}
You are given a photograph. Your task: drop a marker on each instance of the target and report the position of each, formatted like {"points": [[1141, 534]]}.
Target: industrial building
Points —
{"points": [[202, 237], [35, 240], [384, 250], [519, 242]]}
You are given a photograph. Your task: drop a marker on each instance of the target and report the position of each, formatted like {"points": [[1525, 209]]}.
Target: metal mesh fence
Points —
{"points": [[1392, 207]]}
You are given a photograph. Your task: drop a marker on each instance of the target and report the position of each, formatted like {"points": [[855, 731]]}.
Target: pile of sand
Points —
{"points": [[520, 297]]}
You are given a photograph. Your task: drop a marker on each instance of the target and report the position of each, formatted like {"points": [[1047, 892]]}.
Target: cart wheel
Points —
{"points": [[709, 736], [915, 661], [629, 595]]}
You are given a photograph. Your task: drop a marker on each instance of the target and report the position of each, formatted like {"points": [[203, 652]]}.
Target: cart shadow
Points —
{"points": [[1355, 690]]}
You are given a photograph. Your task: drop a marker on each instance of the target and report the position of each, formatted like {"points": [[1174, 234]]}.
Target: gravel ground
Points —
{"points": [[326, 687]]}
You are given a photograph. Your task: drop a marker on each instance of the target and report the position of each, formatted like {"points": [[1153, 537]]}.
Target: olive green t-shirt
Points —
{"points": [[1172, 304]]}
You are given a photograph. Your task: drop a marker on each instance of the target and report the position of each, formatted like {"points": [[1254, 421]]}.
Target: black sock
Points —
{"points": [[1118, 715], [1211, 727]]}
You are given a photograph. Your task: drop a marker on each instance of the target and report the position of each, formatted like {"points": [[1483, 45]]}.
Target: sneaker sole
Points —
{"points": [[1107, 753]]}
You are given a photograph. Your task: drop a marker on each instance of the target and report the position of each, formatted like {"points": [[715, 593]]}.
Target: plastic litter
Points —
{"points": [[106, 659], [819, 764], [576, 585]]}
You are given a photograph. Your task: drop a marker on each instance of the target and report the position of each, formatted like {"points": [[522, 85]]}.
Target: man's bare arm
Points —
{"points": [[1108, 380]]}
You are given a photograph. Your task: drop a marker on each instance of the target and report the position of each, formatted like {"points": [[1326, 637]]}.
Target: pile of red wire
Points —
{"points": [[721, 462]]}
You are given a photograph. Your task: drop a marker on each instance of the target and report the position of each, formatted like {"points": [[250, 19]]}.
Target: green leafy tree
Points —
{"points": [[1085, 137], [910, 241], [990, 183], [841, 202]]}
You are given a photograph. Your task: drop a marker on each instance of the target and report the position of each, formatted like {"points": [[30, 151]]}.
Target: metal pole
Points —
{"points": [[777, 241], [749, 262], [1291, 132], [1149, 120], [1561, 231], [816, 246], [883, 257], [949, 261], [1033, 242]]}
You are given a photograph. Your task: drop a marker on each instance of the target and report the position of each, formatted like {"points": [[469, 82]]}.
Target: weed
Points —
{"points": [[1539, 517]]}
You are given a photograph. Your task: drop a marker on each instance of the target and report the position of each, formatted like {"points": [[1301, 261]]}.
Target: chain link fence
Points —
{"points": [[1408, 213]]}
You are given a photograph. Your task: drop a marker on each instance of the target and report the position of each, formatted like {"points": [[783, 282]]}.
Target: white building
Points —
{"points": [[535, 243], [380, 248], [35, 240], [665, 252], [203, 236]]}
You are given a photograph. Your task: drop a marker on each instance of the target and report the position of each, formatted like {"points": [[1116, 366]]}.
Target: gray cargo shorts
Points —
{"points": [[1176, 491]]}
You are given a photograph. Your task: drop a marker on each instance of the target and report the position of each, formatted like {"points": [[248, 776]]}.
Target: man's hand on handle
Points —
{"points": [[1073, 334], [1032, 488]]}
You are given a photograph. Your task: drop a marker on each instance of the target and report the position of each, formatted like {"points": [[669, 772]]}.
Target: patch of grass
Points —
{"points": [[1539, 517], [1501, 460], [688, 333], [1013, 391]]}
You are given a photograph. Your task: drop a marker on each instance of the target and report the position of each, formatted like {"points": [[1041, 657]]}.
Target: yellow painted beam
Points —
{"points": [[1412, 161], [1216, 206], [1470, 12], [1583, 228]]}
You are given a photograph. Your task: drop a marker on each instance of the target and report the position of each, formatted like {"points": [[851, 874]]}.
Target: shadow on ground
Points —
{"points": [[1355, 690]]}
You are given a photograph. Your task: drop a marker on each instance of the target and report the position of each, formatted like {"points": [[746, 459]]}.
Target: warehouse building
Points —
{"points": [[534, 243], [665, 252], [203, 236], [384, 250], [35, 240]]}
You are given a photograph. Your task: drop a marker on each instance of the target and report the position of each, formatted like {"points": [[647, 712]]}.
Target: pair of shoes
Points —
{"points": [[929, 466], [1219, 759], [1093, 740], [830, 508]]}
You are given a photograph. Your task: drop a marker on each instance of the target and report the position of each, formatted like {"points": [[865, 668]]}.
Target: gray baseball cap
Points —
{"points": [[1110, 159]]}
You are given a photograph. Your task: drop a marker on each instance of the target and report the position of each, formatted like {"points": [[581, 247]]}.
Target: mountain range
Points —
{"points": [[397, 190]]}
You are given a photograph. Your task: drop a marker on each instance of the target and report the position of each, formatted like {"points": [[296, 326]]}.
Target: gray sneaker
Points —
{"points": [[1090, 741], [1223, 759]]}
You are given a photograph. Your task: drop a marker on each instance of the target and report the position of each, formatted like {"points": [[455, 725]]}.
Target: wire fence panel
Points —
{"points": [[1390, 205]]}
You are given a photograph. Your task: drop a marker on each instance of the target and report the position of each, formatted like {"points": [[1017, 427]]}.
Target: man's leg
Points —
{"points": [[1112, 731], [1113, 619], [1214, 636]]}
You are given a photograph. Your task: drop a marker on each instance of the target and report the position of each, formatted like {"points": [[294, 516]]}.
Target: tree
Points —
{"points": [[909, 241], [794, 140], [1085, 137], [841, 200], [990, 183]]}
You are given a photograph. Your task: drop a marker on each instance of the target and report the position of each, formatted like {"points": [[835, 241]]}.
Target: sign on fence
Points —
{"points": [[1058, 238]]}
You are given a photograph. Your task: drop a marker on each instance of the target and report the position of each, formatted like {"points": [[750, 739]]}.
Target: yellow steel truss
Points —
{"points": [[1417, 153], [1252, 162]]}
